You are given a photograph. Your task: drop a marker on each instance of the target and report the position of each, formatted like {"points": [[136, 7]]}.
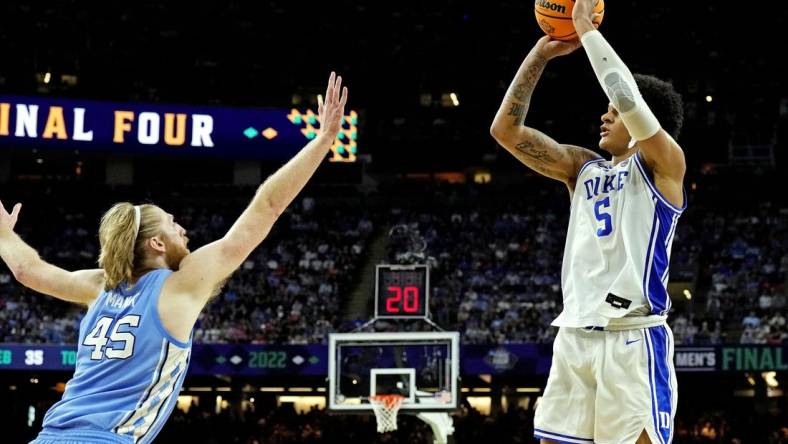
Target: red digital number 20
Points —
{"points": [[409, 299]]}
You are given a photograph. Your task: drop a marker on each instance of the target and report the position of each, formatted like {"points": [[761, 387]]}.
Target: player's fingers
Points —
{"points": [[337, 89], [343, 100], [15, 215], [330, 87]]}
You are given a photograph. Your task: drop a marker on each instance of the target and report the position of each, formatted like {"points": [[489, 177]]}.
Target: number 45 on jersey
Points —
{"points": [[98, 338]]}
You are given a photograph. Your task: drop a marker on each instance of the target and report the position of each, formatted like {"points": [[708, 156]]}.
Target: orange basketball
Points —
{"points": [[555, 17]]}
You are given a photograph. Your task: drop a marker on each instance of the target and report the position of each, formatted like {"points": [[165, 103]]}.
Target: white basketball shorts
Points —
{"points": [[606, 387]]}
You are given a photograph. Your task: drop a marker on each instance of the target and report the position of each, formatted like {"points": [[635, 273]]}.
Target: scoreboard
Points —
{"points": [[41, 357], [402, 292]]}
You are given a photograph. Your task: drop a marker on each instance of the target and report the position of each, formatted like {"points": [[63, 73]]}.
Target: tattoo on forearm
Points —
{"points": [[524, 87], [533, 151], [517, 109], [521, 93]]}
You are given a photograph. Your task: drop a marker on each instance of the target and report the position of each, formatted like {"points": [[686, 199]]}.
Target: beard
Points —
{"points": [[175, 254]]}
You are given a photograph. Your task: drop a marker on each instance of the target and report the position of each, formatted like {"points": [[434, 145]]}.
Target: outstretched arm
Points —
{"points": [[201, 271], [31, 271], [658, 149], [533, 148]]}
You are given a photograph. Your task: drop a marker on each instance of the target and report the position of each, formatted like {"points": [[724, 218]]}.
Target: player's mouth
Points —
{"points": [[604, 132]]}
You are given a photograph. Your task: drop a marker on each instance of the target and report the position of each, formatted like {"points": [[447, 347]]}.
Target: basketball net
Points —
{"points": [[386, 408]]}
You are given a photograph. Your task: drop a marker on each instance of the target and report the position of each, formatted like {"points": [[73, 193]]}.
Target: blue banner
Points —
{"points": [[510, 359], [154, 129], [312, 360], [207, 359]]}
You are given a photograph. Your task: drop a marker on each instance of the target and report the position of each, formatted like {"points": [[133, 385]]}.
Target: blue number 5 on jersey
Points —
{"points": [[603, 217]]}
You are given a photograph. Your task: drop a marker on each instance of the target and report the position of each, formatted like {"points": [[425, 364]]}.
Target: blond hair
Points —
{"points": [[123, 242]]}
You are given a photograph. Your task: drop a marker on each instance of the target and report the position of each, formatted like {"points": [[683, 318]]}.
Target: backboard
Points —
{"points": [[423, 367]]}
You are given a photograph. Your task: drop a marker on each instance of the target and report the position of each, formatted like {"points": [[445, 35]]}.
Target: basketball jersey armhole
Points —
{"points": [[587, 163], [647, 177], [153, 310]]}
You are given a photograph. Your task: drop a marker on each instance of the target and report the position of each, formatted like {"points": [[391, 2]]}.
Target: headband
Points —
{"points": [[137, 217]]}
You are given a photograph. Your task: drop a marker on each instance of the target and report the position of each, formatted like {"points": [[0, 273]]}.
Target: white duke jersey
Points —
{"points": [[615, 268]]}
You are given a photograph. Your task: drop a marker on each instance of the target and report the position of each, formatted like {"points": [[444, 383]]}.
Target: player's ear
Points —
{"points": [[157, 244]]}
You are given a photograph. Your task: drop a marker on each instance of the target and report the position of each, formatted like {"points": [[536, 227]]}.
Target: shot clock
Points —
{"points": [[402, 292]]}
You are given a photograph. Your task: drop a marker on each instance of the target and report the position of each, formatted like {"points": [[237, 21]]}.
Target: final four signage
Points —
{"points": [[138, 128], [87, 124]]}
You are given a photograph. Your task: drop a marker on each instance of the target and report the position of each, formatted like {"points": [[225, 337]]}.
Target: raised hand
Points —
{"points": [[550, 48], [9, 220], [332, 110], [583, 16]]}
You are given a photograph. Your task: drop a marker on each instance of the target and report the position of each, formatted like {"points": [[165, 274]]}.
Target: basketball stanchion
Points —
{"points": [[441, 424]]}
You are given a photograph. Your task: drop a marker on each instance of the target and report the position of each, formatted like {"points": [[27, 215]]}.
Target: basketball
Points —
{"points": [[555, 17]]}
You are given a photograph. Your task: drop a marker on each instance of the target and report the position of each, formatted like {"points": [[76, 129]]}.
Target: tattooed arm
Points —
{"points": [[536, 150]]}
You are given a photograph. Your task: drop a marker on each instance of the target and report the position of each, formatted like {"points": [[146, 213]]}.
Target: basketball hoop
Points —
{"points": [[386, 408]]}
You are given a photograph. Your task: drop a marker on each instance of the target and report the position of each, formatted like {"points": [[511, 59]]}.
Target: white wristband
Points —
{"points": [[620, 86]]}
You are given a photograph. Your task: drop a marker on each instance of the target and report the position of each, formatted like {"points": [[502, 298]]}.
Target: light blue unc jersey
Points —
{"points": [[128, 374], [615, 268]]}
